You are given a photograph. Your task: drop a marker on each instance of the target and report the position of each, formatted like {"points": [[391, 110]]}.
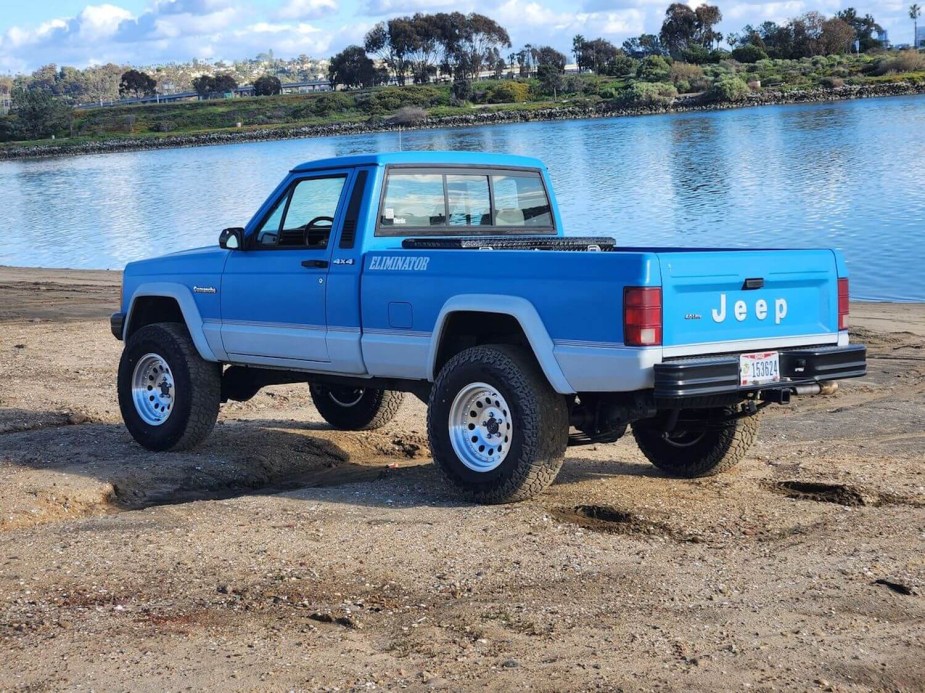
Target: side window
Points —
{"points": [[520, 200], [304, 217], [413, 199]]}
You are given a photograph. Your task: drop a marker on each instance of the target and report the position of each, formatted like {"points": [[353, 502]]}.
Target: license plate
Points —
{"points": [[759, 368]]}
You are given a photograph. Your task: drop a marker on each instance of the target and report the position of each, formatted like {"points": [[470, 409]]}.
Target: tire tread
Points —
{"points": [[729, 448], [543, 410]]}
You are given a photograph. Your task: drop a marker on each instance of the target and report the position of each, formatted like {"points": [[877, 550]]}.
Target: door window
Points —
{"points": [[304, 217]]}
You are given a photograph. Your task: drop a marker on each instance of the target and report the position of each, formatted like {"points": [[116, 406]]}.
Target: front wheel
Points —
{"points": [[497, 429], [168, 394], [355, 408], [715, 443]]}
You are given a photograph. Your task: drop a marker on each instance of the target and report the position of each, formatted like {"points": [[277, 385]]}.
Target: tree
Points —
{"points": [[599, 54], [550, 79], [101, 83], [267, 85], [707, 16], [864, 28], [807, 35], [39, 114], [578, 46], [481, 34], [679, 28], [749, 53], [547, 55], [643, 45], [137, 84], [225, 83], [423, 46], [685, 28], [352, 68], [204, 86], [914, 13], [550, 66], [391, 41], [837, 36], [209, 87]]}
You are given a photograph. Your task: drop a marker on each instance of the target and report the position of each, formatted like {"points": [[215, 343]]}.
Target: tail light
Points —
{"points": [[642, 316], [843, 303]]}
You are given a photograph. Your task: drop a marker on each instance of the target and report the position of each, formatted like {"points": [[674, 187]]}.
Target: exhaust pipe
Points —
{"points": [[824, 389]]}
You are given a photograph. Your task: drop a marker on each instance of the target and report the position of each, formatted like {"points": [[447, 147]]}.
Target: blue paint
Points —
{"points": [[279, 302]]}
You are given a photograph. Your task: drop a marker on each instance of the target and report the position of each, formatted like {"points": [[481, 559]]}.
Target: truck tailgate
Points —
{"points": [[734, 300]]}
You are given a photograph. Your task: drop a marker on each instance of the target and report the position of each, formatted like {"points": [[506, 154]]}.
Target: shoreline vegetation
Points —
{"points": [[447, 70], [417, 118]]}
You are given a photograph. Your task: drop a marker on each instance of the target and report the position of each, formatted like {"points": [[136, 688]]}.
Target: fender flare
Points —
{"points": [[184, 298], [527, 317]]}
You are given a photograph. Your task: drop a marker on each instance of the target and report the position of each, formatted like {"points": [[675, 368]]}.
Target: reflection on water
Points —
{"points": [[847, 175]]}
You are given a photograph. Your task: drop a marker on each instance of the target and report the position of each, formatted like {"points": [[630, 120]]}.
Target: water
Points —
{"points": [[847, 175]]}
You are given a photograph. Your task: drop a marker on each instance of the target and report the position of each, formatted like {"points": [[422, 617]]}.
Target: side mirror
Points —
{"points": [[231, 238]]}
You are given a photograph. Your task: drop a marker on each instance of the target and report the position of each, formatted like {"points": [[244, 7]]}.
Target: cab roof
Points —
{"points": [[428, 158]]}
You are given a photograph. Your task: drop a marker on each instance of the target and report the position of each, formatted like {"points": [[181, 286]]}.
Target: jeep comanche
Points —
{"points": [[449, 276]]}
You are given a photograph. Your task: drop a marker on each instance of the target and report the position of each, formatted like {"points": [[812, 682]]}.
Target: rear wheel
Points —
{"points": [[497, 430], [715, 443], [355, 408]]}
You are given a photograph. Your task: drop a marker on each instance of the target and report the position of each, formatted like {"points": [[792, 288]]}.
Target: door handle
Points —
{"points": [[314, 263]]}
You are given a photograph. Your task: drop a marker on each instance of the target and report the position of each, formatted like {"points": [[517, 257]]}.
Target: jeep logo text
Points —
{"points": [[740, 310]]}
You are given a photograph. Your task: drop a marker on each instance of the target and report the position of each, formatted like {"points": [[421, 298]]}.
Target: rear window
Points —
{"points": [[419, 202]]}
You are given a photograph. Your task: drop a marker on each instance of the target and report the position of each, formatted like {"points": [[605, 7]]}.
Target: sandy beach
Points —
{"points": [[284, 555]]}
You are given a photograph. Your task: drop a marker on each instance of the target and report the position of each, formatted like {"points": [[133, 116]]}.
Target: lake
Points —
{"points": [[849, 175]]}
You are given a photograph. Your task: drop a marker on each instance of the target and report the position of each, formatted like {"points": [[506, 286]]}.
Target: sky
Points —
{"points": [[150, 32]]}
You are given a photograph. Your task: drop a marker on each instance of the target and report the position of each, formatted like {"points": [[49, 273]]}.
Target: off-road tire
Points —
{"points": [[368, 409], [197, 394], [539, 416], [713, 452]]}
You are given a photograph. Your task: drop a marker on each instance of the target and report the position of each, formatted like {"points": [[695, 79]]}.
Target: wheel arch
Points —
{"points": [[499, 312], [167, 302]]}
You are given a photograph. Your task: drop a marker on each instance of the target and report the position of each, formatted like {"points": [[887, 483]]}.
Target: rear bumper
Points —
{"points": [[719, 375], [117, 324]]}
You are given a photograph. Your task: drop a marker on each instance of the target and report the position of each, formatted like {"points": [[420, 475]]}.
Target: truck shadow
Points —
{"points": [[239, 458], [73, 456]]}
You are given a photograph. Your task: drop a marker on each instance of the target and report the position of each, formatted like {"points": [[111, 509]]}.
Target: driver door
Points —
{"points": [[273, 292]]}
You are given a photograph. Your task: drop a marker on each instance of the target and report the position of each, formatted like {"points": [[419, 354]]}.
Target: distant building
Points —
{"points": [[920, 37], [883, 38], [5, 103]]}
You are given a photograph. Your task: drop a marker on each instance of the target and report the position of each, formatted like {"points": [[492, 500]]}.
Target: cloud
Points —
{"points": [[306, 9], [560, 25], [170, 30], [379, 8], [100, 21]]}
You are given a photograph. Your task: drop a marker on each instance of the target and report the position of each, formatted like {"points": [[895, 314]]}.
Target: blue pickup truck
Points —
{"points": [[447, 275]]}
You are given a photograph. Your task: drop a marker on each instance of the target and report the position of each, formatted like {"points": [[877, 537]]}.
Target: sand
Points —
{"points": [[284, 555]]}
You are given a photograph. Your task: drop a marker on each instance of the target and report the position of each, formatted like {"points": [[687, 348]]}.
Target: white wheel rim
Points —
{"points": [[684, 439], [346, 397], [153, 389], [481, 427]]}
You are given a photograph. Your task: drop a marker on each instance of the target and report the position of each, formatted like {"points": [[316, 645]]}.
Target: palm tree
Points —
{"points": [[578, 46], [914, 13]]}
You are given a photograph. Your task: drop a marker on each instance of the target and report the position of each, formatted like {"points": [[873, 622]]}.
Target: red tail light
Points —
{"points": [[843, 303], [642, 316]]}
